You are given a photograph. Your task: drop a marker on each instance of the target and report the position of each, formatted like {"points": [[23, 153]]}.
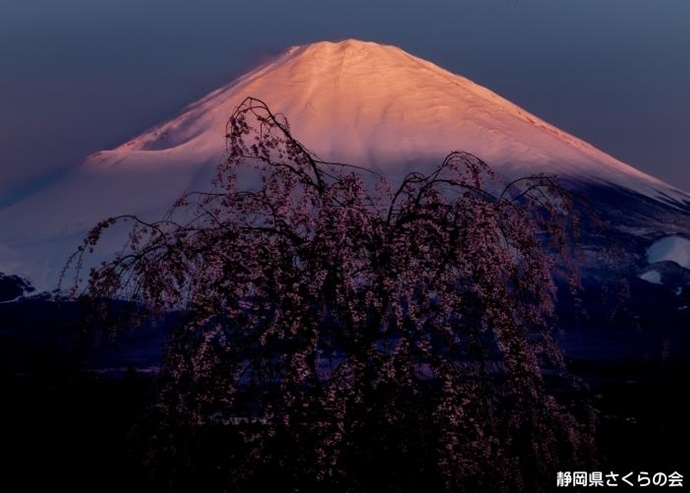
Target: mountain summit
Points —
{"points": [[352, 101], [378, 106]]}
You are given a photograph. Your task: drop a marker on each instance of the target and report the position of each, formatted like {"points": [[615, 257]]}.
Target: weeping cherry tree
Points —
{"points": [[335, 326]]}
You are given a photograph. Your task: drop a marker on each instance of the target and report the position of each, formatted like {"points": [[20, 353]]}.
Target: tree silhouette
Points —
{"points": [[342, 333]]}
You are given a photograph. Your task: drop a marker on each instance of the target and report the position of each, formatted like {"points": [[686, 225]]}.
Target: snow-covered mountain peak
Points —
{"points": [[379, 106], [358, 102]]}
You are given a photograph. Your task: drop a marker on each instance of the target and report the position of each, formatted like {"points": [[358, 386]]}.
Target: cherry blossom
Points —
{"points": [[360, 326]]}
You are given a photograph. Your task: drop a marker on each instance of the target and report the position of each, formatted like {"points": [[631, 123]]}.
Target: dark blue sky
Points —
{"points": [[77, 76]]}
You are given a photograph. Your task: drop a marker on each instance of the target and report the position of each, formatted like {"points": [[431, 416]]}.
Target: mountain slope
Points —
{"points": [[352, 101]]}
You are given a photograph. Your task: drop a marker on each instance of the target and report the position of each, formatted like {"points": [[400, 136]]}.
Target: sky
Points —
{"points": [[78, 76]]}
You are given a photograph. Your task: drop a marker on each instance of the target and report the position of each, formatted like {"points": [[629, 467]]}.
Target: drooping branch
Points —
{"points": [[342, 312]]}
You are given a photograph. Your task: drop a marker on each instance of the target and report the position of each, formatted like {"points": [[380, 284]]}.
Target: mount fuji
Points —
{"points": [[357, 102], [369, 105]]}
